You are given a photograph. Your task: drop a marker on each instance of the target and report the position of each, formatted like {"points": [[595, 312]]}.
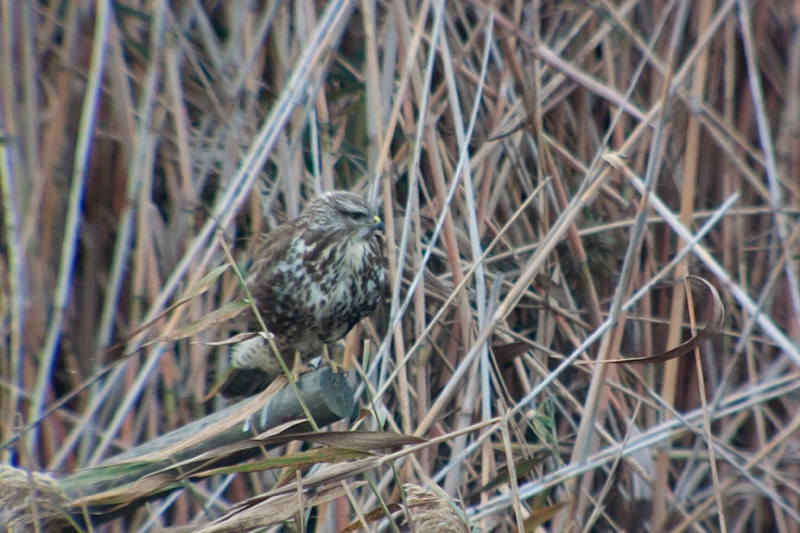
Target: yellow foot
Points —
{"points": [[299, 369], [333, 365], [326, 360]]}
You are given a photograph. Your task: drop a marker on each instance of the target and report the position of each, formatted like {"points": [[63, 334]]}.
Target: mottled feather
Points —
{"points": [[312, 280]]}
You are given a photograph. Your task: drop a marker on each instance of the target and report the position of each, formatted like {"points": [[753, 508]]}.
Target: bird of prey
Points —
{"points": [[312, 280]]}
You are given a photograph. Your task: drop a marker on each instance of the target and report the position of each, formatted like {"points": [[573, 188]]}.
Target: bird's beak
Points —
{"points": [[378, 223]]}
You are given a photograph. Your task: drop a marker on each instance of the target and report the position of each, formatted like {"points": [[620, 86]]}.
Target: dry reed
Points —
{"points": [[543, 169]]}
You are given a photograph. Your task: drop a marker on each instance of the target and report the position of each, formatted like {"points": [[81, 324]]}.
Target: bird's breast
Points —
{"points": [[320, 290]]}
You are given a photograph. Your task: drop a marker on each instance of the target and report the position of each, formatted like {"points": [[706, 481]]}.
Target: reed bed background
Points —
{"points": [[546, 170]]}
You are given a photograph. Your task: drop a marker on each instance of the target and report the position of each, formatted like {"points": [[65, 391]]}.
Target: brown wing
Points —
{"points": [[266, 285], [270, 249]]}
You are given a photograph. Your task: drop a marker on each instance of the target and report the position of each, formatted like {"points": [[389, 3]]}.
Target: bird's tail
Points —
{"points": [[242, 382]]}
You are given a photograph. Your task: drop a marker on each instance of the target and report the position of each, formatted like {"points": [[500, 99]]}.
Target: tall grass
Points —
{"points": [[537, 165]]}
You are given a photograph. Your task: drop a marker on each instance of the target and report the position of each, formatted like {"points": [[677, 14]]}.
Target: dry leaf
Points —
{"points": [[713, 327], [223, 314]]}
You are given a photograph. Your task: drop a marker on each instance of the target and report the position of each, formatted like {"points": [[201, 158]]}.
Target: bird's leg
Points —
{"points": [[298, 366], [325, 359]]}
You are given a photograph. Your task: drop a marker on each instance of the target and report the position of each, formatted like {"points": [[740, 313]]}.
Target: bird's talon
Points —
{"points": [[299, 370], [333, 365]]}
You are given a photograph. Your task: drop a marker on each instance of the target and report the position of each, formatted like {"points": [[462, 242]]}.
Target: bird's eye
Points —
{"points": [[356, 215]]}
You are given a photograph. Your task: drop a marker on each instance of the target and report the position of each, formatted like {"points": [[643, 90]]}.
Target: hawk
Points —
{"points": [[312, 280]]}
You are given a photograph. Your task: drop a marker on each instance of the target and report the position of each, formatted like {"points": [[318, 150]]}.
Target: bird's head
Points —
{"points": [[344, 213]]}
